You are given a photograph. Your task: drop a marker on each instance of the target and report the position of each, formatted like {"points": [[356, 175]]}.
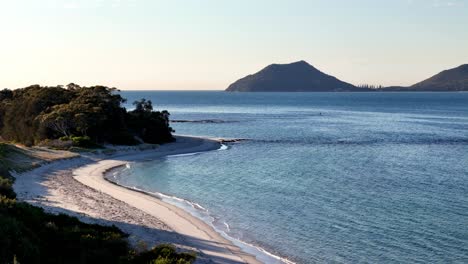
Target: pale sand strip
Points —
{"points": [[144, 217], [195, 233]]}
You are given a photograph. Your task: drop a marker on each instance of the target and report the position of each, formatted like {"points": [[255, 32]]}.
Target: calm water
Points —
{"points": [[325, 177]]}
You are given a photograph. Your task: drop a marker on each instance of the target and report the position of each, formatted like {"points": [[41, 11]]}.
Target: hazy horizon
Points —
{"points": [[207, 45]]}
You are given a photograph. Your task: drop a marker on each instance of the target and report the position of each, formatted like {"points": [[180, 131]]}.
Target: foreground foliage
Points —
{"points": [[29, 235]]}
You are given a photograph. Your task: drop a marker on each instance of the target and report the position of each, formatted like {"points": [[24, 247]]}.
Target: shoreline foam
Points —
{"points": [[197, 211]]}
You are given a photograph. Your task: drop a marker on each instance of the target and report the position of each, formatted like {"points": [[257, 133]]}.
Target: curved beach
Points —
{"points": [[78, 187], [196, 233]]}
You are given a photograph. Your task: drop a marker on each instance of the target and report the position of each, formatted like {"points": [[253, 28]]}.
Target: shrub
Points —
{"points": [[164, 254], [6, 203], [71, 141], [6, 188], [61, 143], [123, 138], [3, 149], [15, 242], [34, 236], [83, 142]]}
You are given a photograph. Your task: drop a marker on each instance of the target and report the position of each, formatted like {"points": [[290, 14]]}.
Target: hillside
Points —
{"points": [[20, 158], [455, 79], [294, 77]]}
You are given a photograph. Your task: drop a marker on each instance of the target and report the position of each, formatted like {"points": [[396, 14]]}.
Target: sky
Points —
{"points": [[206, 45]]}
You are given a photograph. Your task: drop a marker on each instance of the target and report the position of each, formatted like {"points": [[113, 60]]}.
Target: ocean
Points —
{"points": [[321, 177]]}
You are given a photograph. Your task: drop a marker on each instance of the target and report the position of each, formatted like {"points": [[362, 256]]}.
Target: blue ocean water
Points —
{"points": [[324, 177]]}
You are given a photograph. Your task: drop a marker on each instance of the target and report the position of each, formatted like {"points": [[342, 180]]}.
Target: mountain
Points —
{"points": [[293, 77], [455, 79]]}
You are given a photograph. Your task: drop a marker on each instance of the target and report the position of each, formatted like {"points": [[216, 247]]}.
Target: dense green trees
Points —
{"points": [[150, 126], [20, 107], [35, 113]]}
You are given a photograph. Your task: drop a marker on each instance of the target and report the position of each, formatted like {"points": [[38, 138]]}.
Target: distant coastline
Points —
{"points": [[300, 76]]}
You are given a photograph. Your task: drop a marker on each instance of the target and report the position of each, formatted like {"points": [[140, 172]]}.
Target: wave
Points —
{"points": [[222, 147]]}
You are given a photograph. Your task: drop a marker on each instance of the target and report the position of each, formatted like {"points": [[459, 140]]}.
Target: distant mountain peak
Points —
{"points": [[297, 76], [301, 62]]}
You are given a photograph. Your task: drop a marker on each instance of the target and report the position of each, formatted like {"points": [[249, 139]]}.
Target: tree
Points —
{"points": [[59, 119], [6, 94], [165, 116], [35, 113], [72, 86], [143, 105]]}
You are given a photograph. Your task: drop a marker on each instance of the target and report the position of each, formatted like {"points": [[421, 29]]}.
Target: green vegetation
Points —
{"points": [[37, 237], [163, 254], [85, 117], [81, 142], [12, 158], [33, 114], [29, 235], [150, 126], [4, 168], [370, 87]]}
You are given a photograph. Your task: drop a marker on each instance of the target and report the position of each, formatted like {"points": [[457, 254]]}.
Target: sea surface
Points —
{"points": [[322, 177]]}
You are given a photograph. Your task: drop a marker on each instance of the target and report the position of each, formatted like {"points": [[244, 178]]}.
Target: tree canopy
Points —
{"points": [[35, 113]]}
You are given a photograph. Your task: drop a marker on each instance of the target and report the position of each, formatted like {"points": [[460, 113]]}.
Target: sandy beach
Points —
{"points": [[77, 187]]}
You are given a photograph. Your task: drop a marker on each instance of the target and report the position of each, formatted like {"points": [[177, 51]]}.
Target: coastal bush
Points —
{"points": [[164, 254], [6, 188], [62, 143], [83, 142], [123, 138], [152, 127], [16, 241], [4, 168], [31, 235], [34, 236], [36, 113], [3, 149], [6, 202]]}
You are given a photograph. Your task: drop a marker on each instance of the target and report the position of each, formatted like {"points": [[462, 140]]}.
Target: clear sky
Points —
{"points": [[164, 45]]}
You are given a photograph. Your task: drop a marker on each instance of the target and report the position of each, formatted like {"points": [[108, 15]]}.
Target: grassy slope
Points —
{"points": [[20, 159]]}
